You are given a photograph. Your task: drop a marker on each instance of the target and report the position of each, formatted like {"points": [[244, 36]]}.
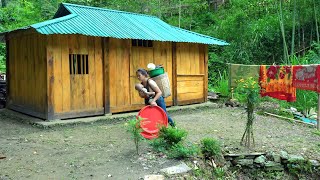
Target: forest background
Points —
{"points": [[259, 31]]}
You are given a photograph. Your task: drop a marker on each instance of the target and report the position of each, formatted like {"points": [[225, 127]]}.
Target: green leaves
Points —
{"points": [[248, 90], [2, 58]]}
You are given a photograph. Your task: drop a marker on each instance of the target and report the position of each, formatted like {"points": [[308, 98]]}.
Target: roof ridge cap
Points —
{"points": [[202, 35], [106, 9]]}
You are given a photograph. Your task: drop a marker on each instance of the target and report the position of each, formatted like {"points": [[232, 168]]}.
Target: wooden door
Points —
{"points": [[86, 74], [140, 58], [75, 76]]}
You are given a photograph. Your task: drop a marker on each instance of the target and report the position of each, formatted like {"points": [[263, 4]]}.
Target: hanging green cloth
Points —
{"points": [[241, 71]]}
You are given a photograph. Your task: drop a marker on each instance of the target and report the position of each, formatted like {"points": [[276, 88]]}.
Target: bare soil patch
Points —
{"points": [[104, 150]]}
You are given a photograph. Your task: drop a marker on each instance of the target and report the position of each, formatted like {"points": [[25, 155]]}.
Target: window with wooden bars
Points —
{"points": [[78, 64], [141, 43]]}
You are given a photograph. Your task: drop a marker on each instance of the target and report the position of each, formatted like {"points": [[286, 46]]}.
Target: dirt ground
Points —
{"points": [[104, 150]]}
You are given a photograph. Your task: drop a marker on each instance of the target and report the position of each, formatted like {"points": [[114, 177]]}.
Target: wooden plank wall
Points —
{"points": [[74, 95], [27, 71], [191, 73], [163, 56]]}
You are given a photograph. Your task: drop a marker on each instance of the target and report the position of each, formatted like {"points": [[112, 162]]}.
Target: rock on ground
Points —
{"points": [[181, 168]]}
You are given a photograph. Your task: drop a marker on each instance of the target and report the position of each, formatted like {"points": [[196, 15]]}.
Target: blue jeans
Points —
{"points": [[160, 102]]}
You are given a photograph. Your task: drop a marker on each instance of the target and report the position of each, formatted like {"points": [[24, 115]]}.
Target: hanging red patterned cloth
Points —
{"points": [[276, 81], [307, 77]]}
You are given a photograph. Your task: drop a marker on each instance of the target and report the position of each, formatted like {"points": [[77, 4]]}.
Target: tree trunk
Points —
{"points": [[3, 3], [303, 42]]}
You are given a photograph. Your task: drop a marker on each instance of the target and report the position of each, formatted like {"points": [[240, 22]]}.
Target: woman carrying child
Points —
{"points": [[149, 90]]}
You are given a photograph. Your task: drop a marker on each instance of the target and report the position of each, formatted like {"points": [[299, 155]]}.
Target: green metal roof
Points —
{"points": [[93, 21]]}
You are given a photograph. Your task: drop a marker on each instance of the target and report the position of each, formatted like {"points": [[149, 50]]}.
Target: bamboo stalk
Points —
{"points": [[288, 118], [285, 47], [315, 17], [293, 27]]}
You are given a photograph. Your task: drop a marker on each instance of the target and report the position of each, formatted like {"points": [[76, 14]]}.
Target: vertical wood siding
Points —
{"points": [[191, 75], [71, 95], [28, 73]]}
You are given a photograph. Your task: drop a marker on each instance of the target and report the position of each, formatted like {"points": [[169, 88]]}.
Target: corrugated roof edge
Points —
{"points": [[105, 9], [224, 43]]}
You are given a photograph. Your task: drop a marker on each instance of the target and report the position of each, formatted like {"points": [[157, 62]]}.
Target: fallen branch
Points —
{"points": [[290, 119]]}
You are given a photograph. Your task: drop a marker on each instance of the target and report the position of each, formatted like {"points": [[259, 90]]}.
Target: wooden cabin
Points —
{"points": [[83, 62]]}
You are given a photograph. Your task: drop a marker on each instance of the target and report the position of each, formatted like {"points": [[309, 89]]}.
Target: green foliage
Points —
{"points": [[171, 142], [247, 91], [133, 127], [219, 173], [222, 84], [172, 135], [316, 132], [159, 145], [2, 58], [210, 147], [300, 167], [181, 151], [306, 100]]}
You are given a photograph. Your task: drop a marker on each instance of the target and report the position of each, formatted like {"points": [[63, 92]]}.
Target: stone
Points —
{"points": [[228, 164], [314, 163], [260, 160], [276, 157], [273, 166], [181, 168], [269, 153], [295, 158], [245, 162], [284, 155], [293, 109], [153, 177]]}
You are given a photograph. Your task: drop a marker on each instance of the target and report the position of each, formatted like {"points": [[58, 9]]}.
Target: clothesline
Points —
{"points": [[279, 81]]}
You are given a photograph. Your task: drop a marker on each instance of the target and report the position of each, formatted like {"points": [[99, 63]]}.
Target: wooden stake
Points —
{"points": [[318, 114]]}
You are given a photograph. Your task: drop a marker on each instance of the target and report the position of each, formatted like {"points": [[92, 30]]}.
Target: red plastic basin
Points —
{"points": [[153, 118]]}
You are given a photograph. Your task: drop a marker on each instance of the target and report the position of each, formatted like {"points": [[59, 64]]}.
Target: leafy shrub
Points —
{"points": [[170, 142], [180, 151], [306, 100], [222, 84], [316, 132], [172, 135], [210, 147], [219, 173], [300, 167], [133, 126], [158, 144], [2, 58]]}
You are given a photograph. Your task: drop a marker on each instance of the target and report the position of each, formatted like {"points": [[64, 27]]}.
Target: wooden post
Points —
{"points": [[318, 115], [50, 77], [205, 81], [174, 73], [106, 75], [8, 75]]}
